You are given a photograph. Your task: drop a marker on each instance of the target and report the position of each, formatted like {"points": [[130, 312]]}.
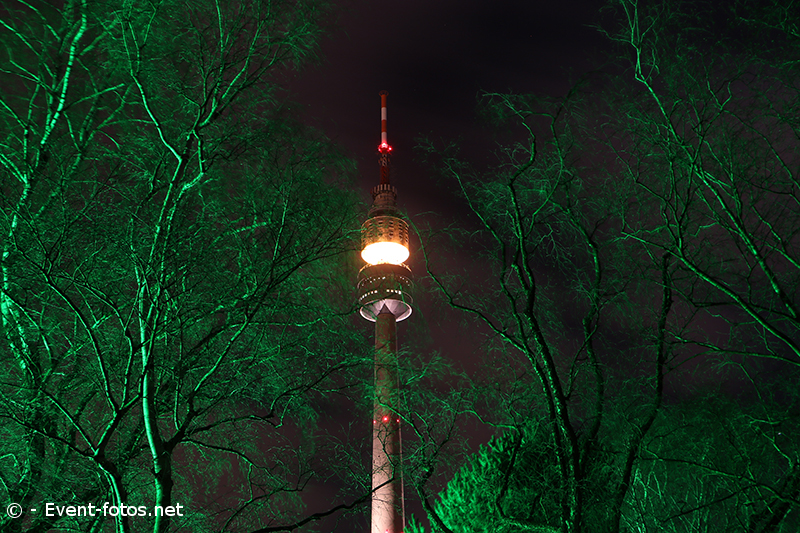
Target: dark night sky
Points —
{"points": [[434, 58]]}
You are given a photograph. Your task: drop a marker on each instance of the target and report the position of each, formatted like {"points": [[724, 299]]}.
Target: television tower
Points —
{"points": [[384, 294]]}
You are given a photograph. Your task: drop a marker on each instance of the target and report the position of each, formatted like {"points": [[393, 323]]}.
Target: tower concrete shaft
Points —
{"points": [[387, 486]]}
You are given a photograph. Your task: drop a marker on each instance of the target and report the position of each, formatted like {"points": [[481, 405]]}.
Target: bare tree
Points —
{"points": [[541, 216], [711, 143], [172, 245], [639, 246]]}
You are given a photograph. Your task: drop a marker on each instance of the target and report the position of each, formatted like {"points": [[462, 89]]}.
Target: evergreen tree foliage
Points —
{"points": [[507, 486]]}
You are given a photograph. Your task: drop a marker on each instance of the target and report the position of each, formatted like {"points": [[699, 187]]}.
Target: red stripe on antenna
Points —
{"points": [[384, 148], [384, 143]]}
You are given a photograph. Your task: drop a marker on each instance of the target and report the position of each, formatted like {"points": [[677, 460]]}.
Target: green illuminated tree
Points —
{"points": [[172, 243], [540, 214], [710, 143], [640, 256]]}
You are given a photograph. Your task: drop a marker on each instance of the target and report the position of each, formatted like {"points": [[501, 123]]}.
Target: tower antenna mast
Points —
{"points": [[384, 149]]}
